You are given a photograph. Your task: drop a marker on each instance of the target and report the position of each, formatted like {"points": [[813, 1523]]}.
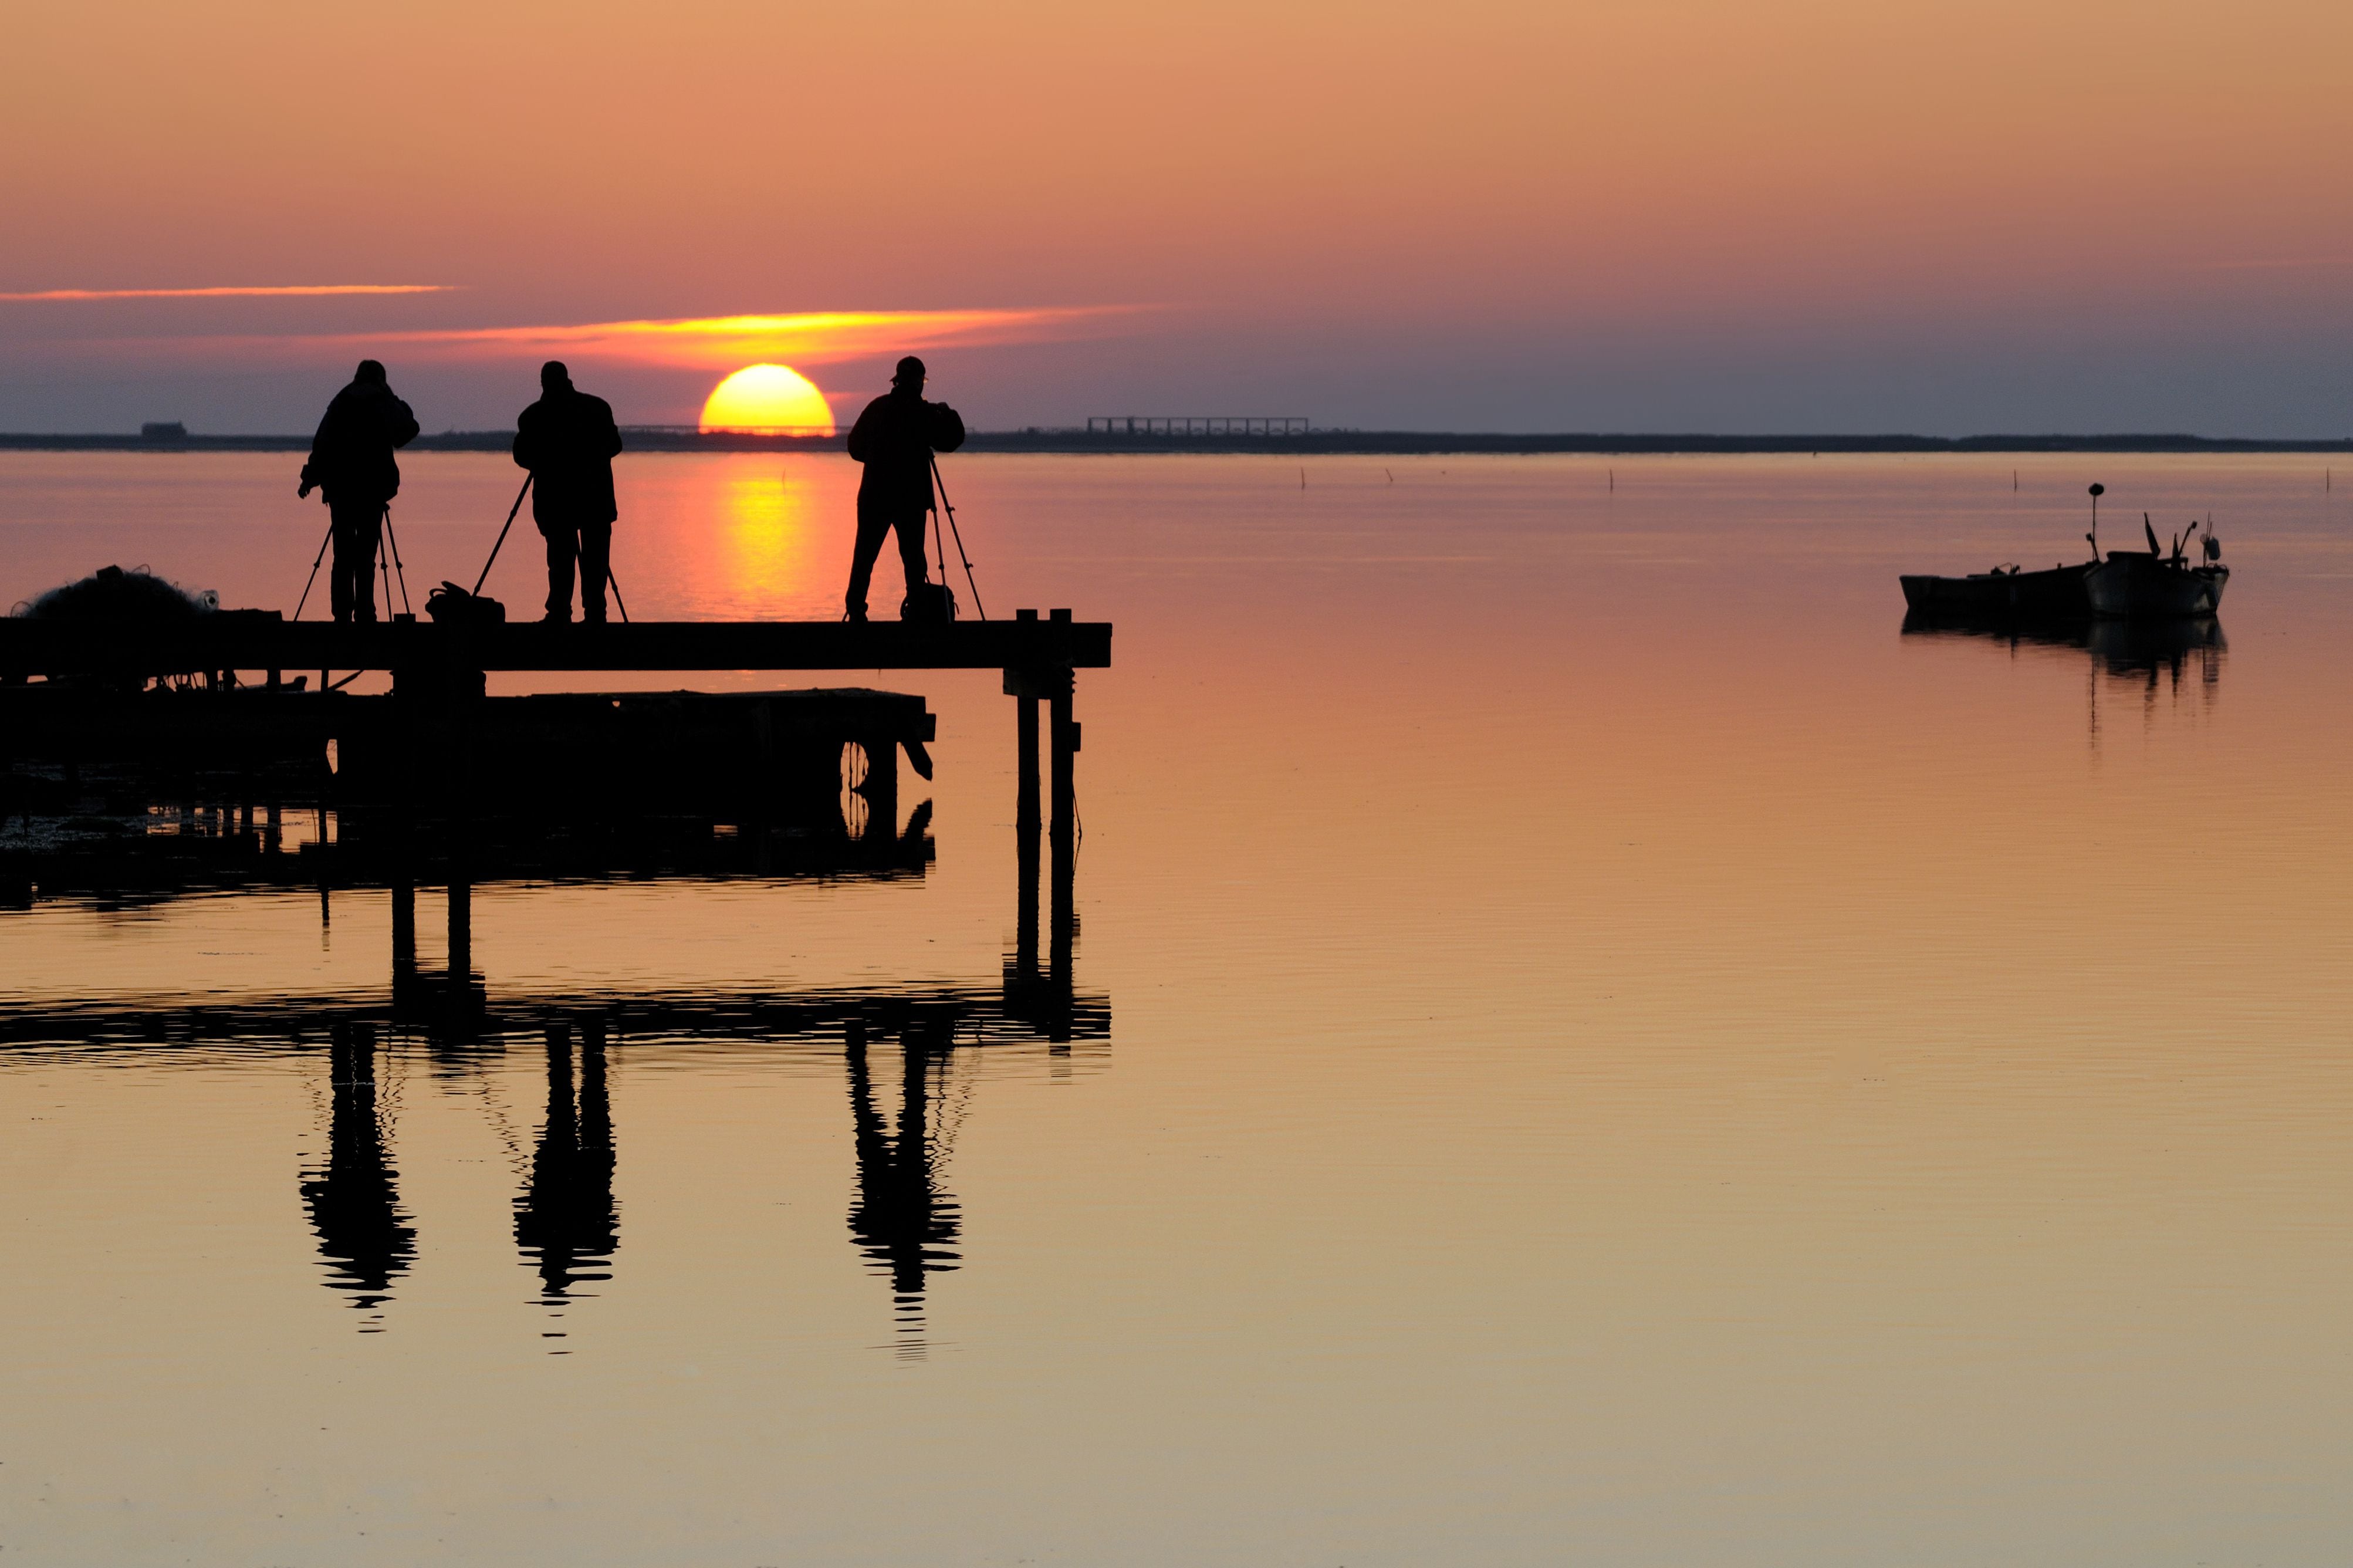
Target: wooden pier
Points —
{"points": [[68, 681], [440, 668]]}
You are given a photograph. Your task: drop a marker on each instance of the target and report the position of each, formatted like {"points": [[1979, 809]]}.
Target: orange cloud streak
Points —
{"points": [[254, 292], [812, 337]]}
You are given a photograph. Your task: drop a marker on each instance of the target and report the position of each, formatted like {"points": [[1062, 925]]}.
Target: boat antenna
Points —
{"points": [[2150, 529], [2097, 491]]}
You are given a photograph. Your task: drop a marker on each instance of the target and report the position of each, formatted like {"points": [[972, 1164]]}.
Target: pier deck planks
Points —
{"points": [[234, 641]]}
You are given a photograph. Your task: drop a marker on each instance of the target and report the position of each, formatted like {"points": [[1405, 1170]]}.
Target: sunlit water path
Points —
{"points": [[1612, 1053]]}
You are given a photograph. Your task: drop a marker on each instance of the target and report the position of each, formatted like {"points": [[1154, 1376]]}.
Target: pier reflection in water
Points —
{"points": [[351, 1199], [566, 1219], [904, 1222]]}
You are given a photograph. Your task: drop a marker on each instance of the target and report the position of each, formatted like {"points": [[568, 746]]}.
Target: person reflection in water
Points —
{"points": [[566, 1219], [895, 439], [901, 1220], [352, 1203], [569, 440], [352, 468]]}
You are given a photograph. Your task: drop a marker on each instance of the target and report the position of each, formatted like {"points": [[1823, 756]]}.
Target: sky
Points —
{"points": [[1672, 214]]}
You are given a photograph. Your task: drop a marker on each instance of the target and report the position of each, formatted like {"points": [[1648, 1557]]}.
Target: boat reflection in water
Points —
{"points": [[2174, 660]]}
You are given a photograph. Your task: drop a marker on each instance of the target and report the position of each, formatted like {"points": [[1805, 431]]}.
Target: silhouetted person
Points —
{"points": [[895, 439], [569, 440], [565, 1218], [365, 1239], [901, 1220], [352, 464]]}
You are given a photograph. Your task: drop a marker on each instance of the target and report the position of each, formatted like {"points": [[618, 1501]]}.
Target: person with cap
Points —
{"points": [[569, 440], [352, 466], [895, 439]]}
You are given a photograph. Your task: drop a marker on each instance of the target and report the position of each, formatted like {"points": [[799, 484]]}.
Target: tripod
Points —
{"points": [[949, 509], [610, 580], [392, 544], [387, 565]]}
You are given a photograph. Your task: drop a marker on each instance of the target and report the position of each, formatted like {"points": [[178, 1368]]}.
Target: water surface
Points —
{"points": [[1611, 1051]]}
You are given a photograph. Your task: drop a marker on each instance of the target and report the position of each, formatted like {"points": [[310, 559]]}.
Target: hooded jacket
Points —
{"points": [[569, 440], [895, 439], [350, 457]]}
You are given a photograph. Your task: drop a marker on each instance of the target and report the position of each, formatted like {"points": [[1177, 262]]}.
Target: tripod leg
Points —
{"points": [[397, 569], [315, 566]]}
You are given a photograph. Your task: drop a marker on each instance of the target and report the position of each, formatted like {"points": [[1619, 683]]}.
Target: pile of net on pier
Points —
{"points": [[111, 594]]}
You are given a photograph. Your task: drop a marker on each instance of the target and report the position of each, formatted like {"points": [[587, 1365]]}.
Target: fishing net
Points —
{"points": [[111, 594]]}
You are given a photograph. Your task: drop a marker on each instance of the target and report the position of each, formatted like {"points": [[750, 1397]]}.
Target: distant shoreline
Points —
{"points": [[1313, 443]]}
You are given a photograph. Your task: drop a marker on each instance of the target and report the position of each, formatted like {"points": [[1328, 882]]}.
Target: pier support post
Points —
{"points": [[1065, 741], [881, 787], [1025, 905], [1064, 837], [404, 935], [1025, 813], [461, 930]]}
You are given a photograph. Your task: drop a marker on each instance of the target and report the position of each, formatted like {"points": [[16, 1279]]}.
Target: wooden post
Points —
{"points": [[404, 905], [1025, 904], [462, 929], [1063, 836], [1065, 739], [404, 935], [1025, 813], [881, 787]]}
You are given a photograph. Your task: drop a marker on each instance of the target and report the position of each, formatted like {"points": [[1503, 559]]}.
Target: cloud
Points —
{"points": [[2277, 264], [695, 345], [239, 291], [811, 337]]}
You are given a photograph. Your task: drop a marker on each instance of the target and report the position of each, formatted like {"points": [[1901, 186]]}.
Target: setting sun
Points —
{"points": [[767, 397]]}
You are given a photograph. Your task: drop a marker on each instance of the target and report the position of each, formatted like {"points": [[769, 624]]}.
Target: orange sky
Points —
{"points": [[1515, 215]]}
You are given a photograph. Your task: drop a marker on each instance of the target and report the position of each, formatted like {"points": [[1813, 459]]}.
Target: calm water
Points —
{"points": [[1615, 1055]]}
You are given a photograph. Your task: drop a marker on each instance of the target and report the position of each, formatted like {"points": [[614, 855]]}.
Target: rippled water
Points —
{"points": [[1599, 1047]]}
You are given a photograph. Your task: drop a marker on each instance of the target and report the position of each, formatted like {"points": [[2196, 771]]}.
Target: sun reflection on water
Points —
{"points": [[767, 547]]}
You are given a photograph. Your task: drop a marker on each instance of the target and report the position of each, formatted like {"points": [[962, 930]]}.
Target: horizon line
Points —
{"points": [[1325, 440], [229, 290]]}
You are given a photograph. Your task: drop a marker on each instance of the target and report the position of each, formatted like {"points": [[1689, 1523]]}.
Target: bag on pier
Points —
{"points": [[928, 604], [453, 606]]}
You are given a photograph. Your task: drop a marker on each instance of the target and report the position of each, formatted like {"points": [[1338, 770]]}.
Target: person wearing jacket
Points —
{"points": [[352, 466], [895, 439], [569, 440]]}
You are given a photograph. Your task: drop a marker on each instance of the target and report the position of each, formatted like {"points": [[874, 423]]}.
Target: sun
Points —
{"points": [[767, 397]]}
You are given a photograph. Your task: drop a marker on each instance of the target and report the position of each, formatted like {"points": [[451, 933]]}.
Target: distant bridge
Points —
{"points": [[1196, 425]]}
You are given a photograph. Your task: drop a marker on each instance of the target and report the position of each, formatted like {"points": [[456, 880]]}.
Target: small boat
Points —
{"points": [[2128, 584], [2005, 593]]}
